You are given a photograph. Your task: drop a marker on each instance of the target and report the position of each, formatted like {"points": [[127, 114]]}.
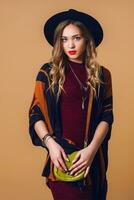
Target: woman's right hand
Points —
{"points": [[57, 154]]}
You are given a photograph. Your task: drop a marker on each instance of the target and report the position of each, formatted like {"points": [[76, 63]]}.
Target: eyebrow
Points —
{"points": [[72, 35]]}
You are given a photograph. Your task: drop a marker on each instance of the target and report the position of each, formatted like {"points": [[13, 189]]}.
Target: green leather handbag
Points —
{"points": [[65, 176]]}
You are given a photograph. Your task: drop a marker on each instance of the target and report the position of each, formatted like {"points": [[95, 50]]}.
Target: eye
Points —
{"points": [[77, 37], [63, 39]]}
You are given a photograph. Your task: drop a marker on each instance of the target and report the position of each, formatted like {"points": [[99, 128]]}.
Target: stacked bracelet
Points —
{"points": [[45, 139]]}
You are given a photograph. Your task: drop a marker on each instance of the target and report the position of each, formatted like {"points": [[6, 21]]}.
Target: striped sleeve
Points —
{"points": [[107, 105], [38, 109]]}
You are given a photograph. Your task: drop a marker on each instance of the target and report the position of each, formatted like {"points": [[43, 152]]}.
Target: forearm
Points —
{"points": [[99, 136], [40, 128]]}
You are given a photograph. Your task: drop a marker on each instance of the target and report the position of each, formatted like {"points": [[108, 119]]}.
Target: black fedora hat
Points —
{"points": [[90, 22]]}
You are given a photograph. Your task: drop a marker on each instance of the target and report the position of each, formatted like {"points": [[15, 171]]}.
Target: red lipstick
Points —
{"points": [[72, 52]]}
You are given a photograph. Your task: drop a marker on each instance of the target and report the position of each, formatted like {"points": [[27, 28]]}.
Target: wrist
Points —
{"points": [[46, 139], [49, 142], [92, 147]]}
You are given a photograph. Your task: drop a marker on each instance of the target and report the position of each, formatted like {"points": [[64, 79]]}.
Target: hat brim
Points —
{"points": [[91, 23]]}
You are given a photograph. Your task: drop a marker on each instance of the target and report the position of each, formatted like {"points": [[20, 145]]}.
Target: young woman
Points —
{"points": [[60, 106]]}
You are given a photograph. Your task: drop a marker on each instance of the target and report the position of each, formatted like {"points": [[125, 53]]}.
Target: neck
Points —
{"points": [[76, 61]]}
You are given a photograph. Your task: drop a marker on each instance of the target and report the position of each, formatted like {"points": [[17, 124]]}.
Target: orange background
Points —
{"points": [[23, 51]]}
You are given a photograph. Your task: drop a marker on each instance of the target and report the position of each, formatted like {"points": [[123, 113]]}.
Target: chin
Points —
{"points": [[73, 56]]}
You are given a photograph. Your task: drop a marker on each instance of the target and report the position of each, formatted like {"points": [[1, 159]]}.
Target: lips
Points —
{"points": [[72, 52]]}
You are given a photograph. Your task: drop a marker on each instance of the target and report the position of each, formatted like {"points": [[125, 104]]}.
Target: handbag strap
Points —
{"points": [[88, 116]]}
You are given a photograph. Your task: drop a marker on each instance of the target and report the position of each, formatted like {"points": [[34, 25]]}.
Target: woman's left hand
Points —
{"points": [[82, 161]]}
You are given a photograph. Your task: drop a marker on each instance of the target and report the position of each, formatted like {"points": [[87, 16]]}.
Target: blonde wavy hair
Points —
{"points": [[59, 60]]}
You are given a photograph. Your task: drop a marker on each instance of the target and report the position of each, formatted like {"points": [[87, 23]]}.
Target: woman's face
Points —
{"points": [[73, 43]]}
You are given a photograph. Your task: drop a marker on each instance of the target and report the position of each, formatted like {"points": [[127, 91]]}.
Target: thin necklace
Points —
{"points": [[84, 88]]}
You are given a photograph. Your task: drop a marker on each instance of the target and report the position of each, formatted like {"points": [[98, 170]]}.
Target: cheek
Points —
{"points": [[63, 49], [63, 46], [82, 47]]}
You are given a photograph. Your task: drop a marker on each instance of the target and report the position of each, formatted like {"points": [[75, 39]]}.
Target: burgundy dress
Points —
{"points": [[73, 127]]}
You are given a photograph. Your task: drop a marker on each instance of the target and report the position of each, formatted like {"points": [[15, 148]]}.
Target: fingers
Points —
{"points": [[87, 170], [77, 169], [57, 164], [77, 164], [76, 158], [64, 156], [60, 161]]}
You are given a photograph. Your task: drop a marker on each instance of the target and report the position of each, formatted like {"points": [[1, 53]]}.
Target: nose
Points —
{"points": [[71, 44]]}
